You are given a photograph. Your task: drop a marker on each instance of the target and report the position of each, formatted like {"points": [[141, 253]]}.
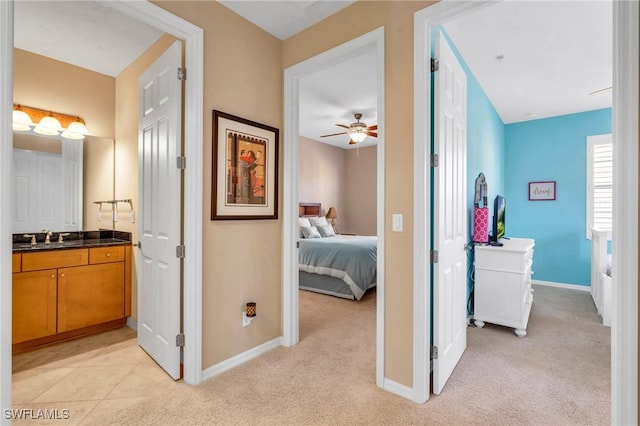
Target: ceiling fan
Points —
{"points": [[357, 131]]}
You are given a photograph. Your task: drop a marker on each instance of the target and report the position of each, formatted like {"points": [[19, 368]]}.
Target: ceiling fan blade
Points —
{"points": [[373, 127], [373, 134], [334, 134], [343, 125]]}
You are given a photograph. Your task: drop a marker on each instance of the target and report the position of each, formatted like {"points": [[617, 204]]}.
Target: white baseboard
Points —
{"points": [[398, 389], [228, 364], [562, 285], [132, 324]]}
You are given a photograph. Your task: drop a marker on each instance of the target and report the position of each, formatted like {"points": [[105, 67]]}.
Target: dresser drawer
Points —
{"points": [[106, 254], [54, 259]]}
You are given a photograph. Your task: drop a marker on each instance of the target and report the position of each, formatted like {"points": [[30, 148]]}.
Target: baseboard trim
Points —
{"points": [[562, 285], [241, 358], [398, 389], [132, 324]]}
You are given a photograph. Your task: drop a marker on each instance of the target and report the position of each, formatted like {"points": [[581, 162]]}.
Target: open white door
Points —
{"points": [[159, 144], [449, 214]]}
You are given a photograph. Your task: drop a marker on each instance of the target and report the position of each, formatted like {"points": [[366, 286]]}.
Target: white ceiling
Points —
{"points": [[284, 18], [555, 53], [83, 33]]}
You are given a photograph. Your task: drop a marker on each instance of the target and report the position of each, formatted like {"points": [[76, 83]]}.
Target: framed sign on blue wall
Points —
{"points": [[542, 191]]}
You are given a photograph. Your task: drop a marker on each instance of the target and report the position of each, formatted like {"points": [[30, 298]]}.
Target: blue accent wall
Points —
{"points": [[552, 149]]}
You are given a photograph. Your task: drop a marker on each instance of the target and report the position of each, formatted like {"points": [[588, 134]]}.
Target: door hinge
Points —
{"points": [[297, 244], [180, 340], [434, 352], [180, 251], [435, 64], [435, 160], [182, 74], [434, 256], [181, 162]]}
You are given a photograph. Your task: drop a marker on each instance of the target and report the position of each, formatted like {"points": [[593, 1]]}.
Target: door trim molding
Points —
{"points": [[193, 38], [292, 76], [6, 216], [624, 326]]}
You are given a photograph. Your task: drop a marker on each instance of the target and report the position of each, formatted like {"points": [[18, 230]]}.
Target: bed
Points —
{"points": [[601, 274], [339, 265]]}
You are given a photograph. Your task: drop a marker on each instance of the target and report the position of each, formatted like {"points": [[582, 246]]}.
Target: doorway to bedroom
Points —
{"points": [[332, 207]]}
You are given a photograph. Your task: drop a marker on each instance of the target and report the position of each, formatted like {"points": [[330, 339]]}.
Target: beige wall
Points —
{"points": [[44, 83], [242, 260], [397, 19], [322, 175], [340, 178], [361, 214]]}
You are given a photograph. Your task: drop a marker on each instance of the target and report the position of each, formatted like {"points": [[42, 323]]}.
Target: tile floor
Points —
{"points": [[85, 379]]}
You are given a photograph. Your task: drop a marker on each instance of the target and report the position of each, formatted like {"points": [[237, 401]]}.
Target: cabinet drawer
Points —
{"points": [[54, 259], [106, 254], [16, 262]]}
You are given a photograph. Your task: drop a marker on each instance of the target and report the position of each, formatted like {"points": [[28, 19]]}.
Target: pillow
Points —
{"points": [[303, 221], [310, 232], [317, 221], [326, 231]]}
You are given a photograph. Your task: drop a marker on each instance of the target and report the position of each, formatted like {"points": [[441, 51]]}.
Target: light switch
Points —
{"points": [[396, 222]]}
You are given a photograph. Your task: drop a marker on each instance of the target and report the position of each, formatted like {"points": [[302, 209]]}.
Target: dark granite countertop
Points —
{"points": [[75, 240]]}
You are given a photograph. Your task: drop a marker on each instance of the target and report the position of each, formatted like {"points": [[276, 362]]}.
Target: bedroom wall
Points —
{"points": [[340, 178], [242, 260], [397, 19], [361, 217], [553, 149], [322, 174]]}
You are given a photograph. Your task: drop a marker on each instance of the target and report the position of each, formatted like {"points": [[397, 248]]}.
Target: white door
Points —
{"points": [[449, 214], [159, 143]]}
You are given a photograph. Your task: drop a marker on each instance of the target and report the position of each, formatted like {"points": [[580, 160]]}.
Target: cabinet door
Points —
{"points": [[90, 295], [34, 305]]}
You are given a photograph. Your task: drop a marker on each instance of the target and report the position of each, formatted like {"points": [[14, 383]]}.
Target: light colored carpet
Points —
{"points": [[557, 375]]}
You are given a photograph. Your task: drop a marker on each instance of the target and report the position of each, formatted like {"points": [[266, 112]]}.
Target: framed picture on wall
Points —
{"points": [[542, 191], [244, 181]]}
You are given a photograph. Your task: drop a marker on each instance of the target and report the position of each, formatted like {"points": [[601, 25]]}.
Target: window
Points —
{"points": [[599, 183]]}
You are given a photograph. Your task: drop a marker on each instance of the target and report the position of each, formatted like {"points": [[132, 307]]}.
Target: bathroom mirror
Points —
{"points": [[56, 181]]}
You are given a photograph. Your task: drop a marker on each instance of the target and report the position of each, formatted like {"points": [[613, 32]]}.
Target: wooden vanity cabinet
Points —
{"points": [[34, 305], [61, 294]]}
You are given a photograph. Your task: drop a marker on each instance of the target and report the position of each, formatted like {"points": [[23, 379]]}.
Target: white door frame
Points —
{"points": [[624, 332], [292, 76], [193, 123]]}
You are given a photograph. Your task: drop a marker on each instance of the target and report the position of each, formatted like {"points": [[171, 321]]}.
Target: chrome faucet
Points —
{"points": [[33, 238], [60, 235], [47, 239]]}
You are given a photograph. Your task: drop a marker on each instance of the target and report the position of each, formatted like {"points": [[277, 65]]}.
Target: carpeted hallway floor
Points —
{"points": [[559, 374]]}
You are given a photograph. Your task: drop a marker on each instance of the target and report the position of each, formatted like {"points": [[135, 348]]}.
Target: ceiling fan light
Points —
{"points": [[358, 137], [49, 125], [21, 120]]}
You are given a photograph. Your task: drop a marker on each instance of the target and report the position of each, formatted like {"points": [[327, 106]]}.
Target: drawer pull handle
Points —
{"points": [[108, 254]]}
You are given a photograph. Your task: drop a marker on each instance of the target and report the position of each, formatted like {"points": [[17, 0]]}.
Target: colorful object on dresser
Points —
{"points": [[480, 214]]}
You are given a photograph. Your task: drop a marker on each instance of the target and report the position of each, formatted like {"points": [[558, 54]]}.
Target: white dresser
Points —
{"points": [[502, 289]]}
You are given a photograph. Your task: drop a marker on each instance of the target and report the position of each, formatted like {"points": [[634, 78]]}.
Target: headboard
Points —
{"points": [[309, 209]]}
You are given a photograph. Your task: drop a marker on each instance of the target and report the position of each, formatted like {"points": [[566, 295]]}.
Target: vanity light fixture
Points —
{"points": [[21, 120], [48, 125], [49, 122]]}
